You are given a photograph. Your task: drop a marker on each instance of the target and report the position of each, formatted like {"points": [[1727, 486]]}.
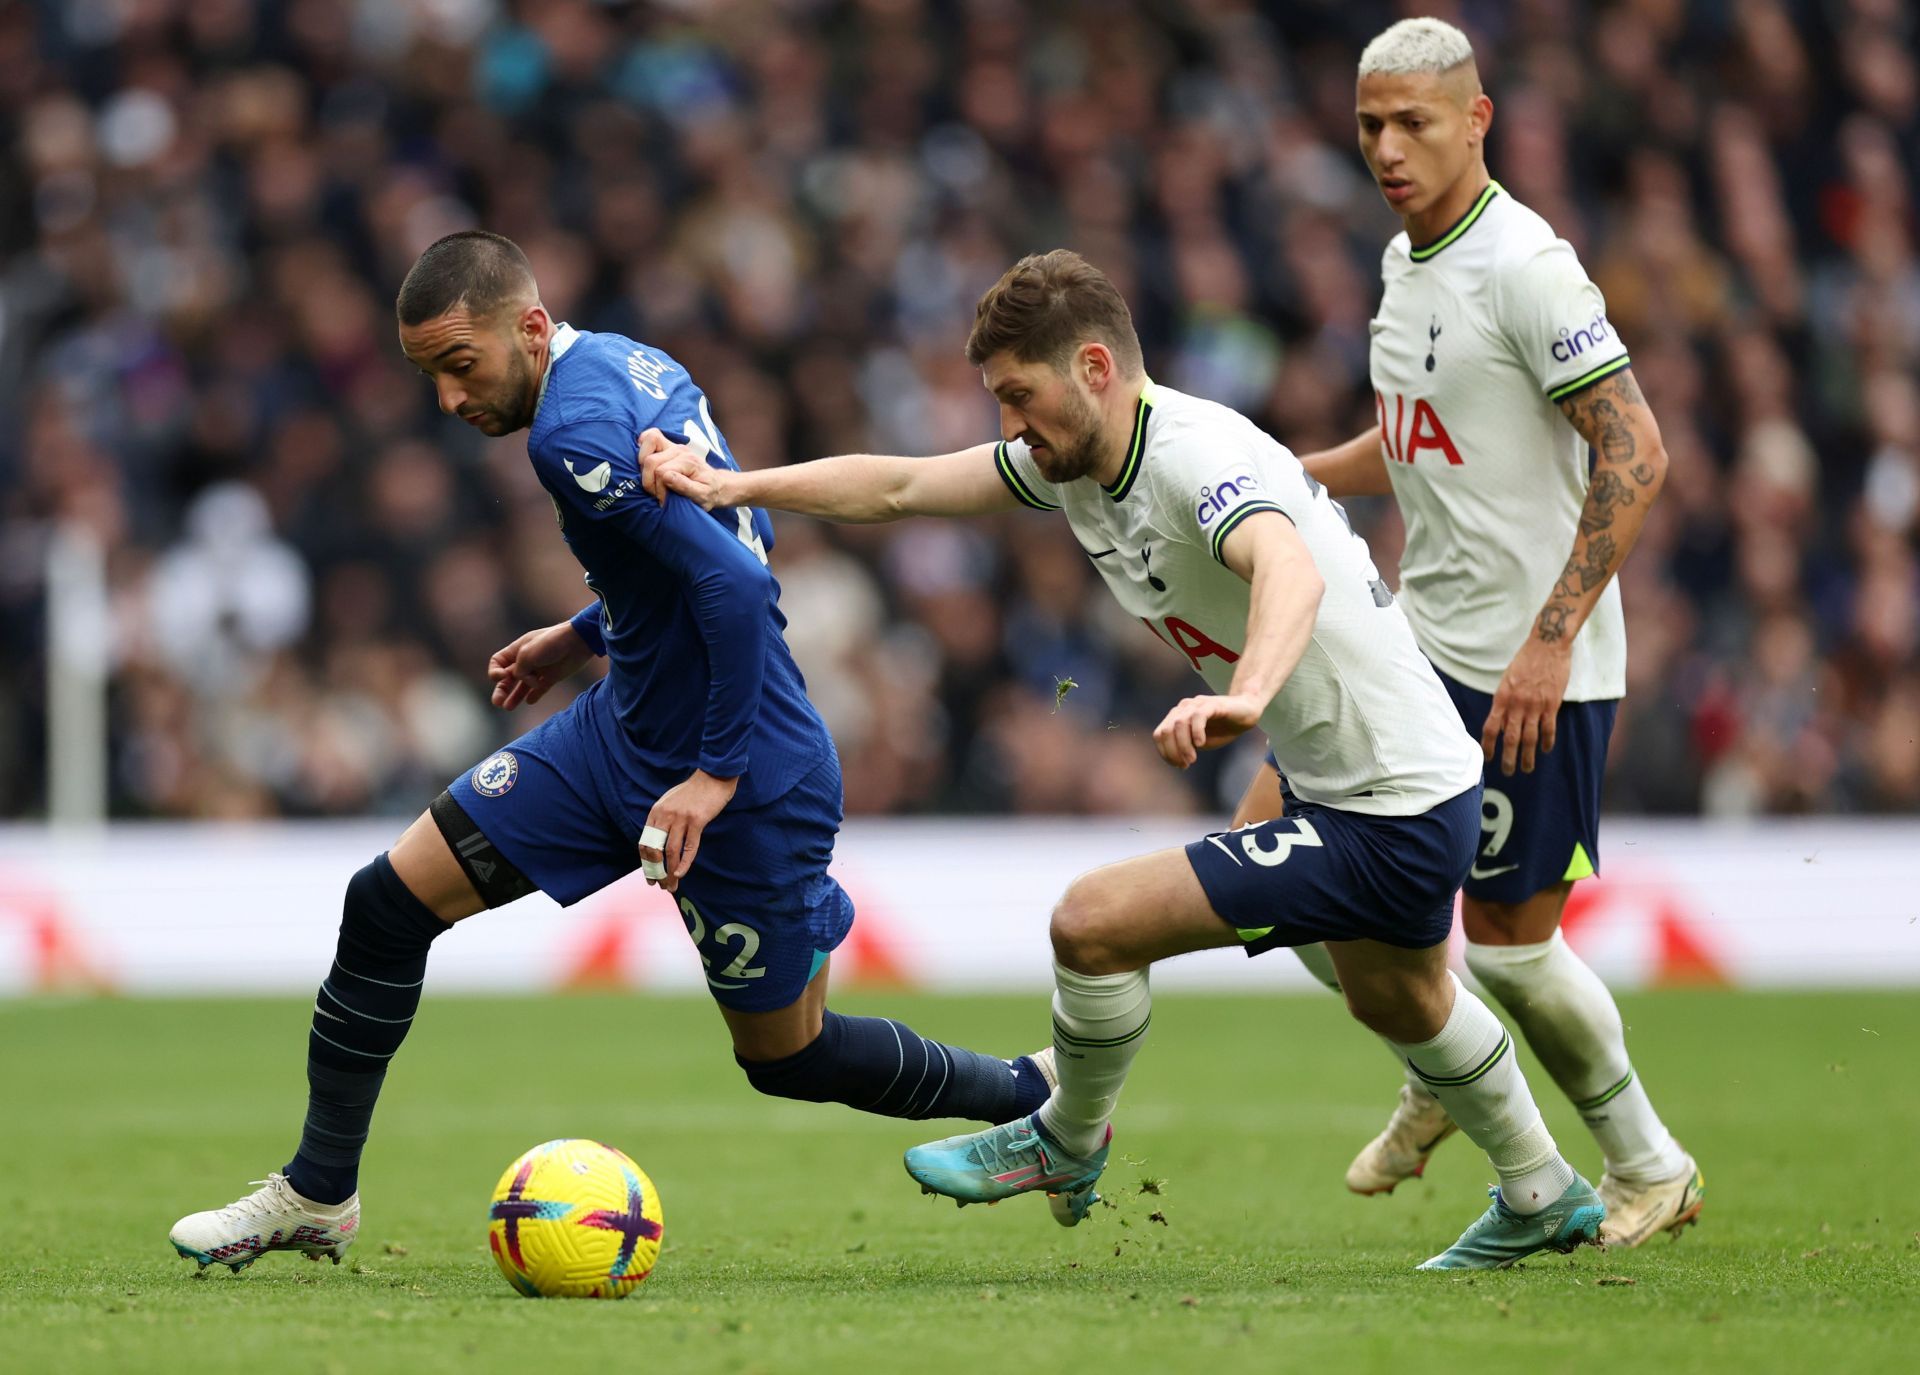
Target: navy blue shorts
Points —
{"points": [[759, 904], [1319, 873], [1539, 828]]}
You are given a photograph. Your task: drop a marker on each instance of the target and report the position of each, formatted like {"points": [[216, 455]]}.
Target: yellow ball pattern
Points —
{"points": [[575, 1219]]}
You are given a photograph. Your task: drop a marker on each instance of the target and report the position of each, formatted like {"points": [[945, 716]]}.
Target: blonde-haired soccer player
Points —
{"points": [[1495, 371], [1213, 534]]}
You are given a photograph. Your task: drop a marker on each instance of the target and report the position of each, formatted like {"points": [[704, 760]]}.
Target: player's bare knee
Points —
{"points": [[1395, 1010], [1527, 922], [1083, 929]]}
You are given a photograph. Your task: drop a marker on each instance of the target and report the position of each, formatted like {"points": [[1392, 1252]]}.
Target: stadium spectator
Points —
{"points": [[208, 205]]}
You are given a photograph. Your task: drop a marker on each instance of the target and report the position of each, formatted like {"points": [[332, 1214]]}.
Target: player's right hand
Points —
{"points": [[525, 669], [1203, 723], [675, 824], [669, 467]]}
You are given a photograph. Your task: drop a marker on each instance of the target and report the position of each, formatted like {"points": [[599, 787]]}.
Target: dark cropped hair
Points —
{"points": [[473, 268], [1046, 306]]}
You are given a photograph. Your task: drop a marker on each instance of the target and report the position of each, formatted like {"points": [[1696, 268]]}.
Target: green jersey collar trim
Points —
{"points": [[1003, 462], [1131, 468], [1460, 226]]}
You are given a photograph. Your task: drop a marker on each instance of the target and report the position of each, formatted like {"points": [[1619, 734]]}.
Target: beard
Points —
{"points": [[515, 411], [1073, 450]]}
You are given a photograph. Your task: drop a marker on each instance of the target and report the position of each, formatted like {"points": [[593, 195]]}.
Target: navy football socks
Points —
{"points": [[359, 1020], [364, 1008], [879, 1065]]}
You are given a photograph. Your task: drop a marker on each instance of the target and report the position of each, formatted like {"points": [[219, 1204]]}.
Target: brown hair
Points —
{"points": [[1045, 306]]}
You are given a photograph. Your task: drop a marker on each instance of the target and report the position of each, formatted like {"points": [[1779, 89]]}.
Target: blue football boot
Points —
{"points": [[1502, 1236], [1014, 1158]]}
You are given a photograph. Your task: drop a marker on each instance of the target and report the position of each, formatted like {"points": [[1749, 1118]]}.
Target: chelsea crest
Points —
{"points": [[496, 775]]}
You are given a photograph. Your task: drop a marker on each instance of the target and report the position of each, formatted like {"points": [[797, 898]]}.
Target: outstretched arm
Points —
{"points": [[1630, 466], [1357, 468], [854, 488]]}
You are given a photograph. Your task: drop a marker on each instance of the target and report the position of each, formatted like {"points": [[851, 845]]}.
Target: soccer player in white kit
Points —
{"points": [[1241, 563], [1495, 370]]}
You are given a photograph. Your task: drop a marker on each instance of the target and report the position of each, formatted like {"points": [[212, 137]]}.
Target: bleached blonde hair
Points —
{"points": [[1416, 46]]}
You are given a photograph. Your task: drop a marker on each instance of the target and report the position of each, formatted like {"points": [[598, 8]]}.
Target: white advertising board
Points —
{"points": [[945, 904]]}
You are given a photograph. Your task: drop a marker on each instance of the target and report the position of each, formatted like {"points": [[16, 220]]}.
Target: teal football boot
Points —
{"points": [[1014, 1158], [1502, 1236]]}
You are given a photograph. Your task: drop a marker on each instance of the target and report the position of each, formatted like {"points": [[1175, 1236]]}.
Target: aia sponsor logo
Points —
{"points": [[1191, 641], [1407, 429], [1574, 342]]}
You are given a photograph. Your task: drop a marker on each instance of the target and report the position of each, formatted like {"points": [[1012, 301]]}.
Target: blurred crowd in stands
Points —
{"points": [[206, 207]]}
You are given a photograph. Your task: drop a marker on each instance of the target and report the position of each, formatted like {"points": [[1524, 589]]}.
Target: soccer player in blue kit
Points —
{"points": [[698, 759]]}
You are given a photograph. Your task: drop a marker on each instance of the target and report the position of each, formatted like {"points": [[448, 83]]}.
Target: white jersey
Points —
{"points": [[1362, 723], [1480, 335]]}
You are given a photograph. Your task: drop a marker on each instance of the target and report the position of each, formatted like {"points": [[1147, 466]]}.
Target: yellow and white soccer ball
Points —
{"points": [[575, 1219]]}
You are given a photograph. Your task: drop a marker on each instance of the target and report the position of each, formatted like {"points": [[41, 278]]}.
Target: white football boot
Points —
{"points": [[1636, 1211], [271, 1218], [1419, 1123]]}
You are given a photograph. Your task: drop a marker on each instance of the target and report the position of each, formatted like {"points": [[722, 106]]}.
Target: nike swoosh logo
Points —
{"points": [[1477, 872], [1102, 554], [1215, 840], [594, 479]]}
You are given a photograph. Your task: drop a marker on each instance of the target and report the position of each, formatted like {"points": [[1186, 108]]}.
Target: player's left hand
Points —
{"points": [[682, 813], [1527, 704], [1203, 723]]}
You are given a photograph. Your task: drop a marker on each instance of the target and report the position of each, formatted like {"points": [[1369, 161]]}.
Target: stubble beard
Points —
{"points": [[1077, 453]]}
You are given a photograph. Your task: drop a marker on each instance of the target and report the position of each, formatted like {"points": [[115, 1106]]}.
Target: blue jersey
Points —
{"points": [[688, 612]]}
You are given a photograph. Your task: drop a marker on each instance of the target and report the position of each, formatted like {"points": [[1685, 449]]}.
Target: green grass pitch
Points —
{"points": [[796, 1243]]}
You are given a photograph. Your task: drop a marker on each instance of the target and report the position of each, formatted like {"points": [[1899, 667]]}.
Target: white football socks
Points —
{"points": [[1573, 1027], [1099, 1024], [1471, 1068]]}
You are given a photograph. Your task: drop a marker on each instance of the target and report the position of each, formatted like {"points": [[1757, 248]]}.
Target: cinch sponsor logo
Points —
{"points": [[646, 372], [1572, 343], [1214, 500]]}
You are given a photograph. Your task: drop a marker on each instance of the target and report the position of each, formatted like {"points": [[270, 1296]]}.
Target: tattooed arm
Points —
{"points": [[1630, 465]]}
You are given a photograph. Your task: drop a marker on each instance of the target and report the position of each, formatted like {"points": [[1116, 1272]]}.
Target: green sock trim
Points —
{"points": [[1061, 1034], [1477, 1072], [1607, 1097]]}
